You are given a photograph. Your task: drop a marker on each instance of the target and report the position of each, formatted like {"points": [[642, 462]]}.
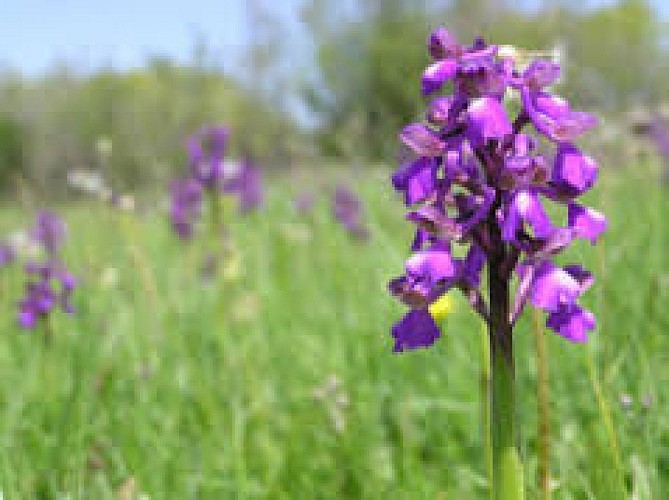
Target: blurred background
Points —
{"points": [[298, 81], [261, 366]]}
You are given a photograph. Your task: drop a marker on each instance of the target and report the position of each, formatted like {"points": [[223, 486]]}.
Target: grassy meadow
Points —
{"points": [[276, 379]]}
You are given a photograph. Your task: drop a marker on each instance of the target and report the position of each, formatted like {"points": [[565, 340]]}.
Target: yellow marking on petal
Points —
{"points": [[441, 307]]}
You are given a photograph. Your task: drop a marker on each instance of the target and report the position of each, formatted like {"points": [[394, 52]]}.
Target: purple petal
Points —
{"points": [[532, 211], [439, 111], [550, 106], [453, 163], [542, 73], [511, 224], [553, 287], [442, 44], [250, 189], [555, 243], [480, 58], [587, 222], [573, 173], [27, 319], [572, 322], [68, 281], [347, 210], [207, 171], [422, 140], [420, 239], [438, 73], [45, 303], [184, 230], [50, 231], [526, 207], [206, 150], [552, 117], [185, 206], [7, 254], [517, 168], [416, 329], [194, 149], [433, 265], [581, 275], [487, 120], [524, 144], [569, 126], [435, 222], [212, 140], [417, 180], [481, 208], [543, 109], [217, 140], [471, 268]]}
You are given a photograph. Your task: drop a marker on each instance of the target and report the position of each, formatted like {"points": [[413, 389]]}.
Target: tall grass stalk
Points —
{"points": [[543, 405], [484, 384]]}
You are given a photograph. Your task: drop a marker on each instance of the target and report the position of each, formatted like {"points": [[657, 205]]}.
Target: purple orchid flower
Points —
{"points": [[659, 134], [247, 184], [210, 176], [347, 210], [206, 150], [48, 285], [49, 231], [186, 206], [304, 202], [7, 254], [476, 179]]}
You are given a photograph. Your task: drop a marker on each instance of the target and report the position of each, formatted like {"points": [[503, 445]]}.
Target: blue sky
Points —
{"points": [[89, 33], [35, 33]]}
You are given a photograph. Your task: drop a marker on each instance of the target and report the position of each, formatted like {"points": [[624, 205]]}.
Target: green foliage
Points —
{"points": [[67, 115], [370, 63], [12, 145], [618, 59], [367, 94]]}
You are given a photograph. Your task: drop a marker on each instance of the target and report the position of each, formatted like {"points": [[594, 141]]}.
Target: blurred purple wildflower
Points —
{"points": [[247, 184], [476, 179], [186, 206], [7, 254], [659, 133], [206, 152], [48, 285], [347, 210], [304, 202], [49, 231], [211, 175]]}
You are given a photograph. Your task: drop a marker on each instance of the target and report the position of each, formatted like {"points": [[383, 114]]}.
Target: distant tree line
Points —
{"points": [[370, 57], [130, 124], [365, 85]]}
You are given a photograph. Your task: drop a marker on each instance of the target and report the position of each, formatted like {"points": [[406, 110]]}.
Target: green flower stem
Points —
{"points": [[216, 213], [47, 331], [507, 469]]}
